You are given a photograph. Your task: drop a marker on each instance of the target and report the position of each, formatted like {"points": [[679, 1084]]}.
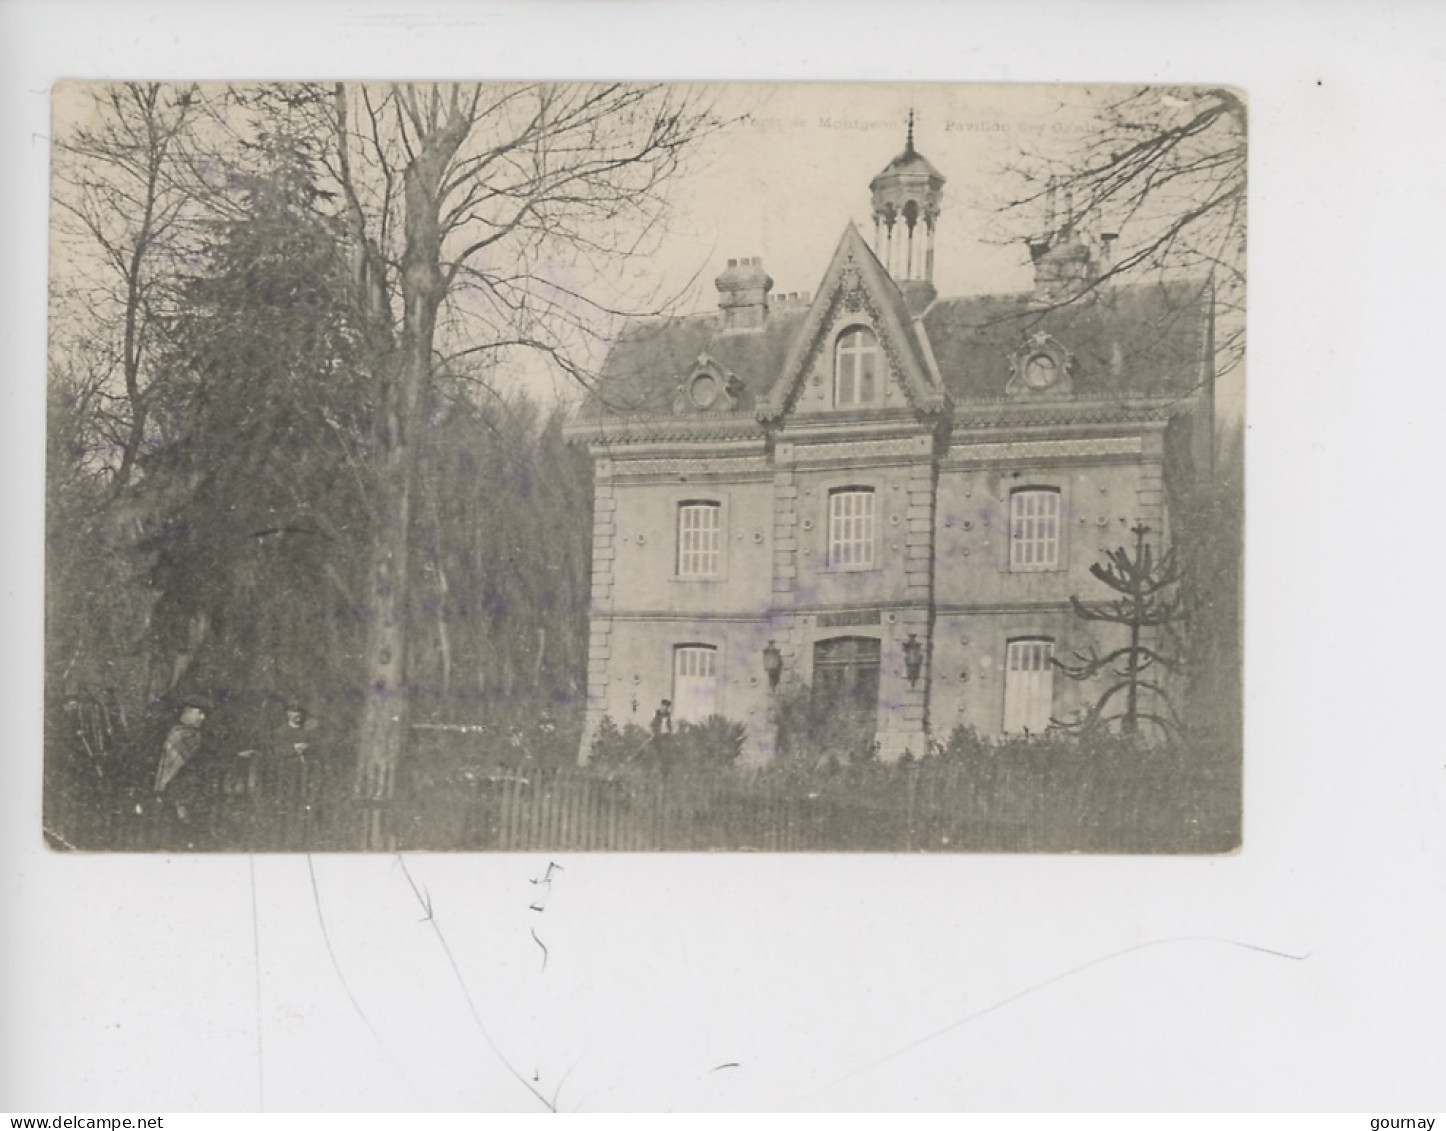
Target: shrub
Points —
{"points": [[813, 733], [613, 747], [715, 741], [965, 744]]}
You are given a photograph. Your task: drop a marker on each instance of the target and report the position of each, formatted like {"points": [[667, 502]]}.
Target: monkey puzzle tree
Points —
{"points": [[1150, 601]]}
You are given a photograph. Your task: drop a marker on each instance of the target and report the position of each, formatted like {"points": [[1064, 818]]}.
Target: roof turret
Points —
{"points": [[906, 196]]}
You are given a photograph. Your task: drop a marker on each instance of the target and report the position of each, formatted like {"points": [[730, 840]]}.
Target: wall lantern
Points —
{"points": [[913, 658], [772, 663]]}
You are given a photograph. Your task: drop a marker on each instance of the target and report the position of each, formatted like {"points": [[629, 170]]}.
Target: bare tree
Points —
{"points": [[479, 220], [123, 201], [1160, 173]]}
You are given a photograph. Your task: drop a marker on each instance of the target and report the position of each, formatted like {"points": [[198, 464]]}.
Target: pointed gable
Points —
{"points": [[857, 283]]}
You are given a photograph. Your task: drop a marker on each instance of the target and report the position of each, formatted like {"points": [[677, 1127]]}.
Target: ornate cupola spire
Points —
{"points": [[906, 198]]}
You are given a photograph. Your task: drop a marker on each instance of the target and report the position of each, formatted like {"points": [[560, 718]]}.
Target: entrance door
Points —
{"points": [[846, 692]]}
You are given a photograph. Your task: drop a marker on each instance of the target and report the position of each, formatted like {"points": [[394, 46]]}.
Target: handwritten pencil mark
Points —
{"points": [[424, 898], [1071, 972], [556, 1092], [431, 918], [540, 943], [346, 986], [720, 1067], [544, 881]]}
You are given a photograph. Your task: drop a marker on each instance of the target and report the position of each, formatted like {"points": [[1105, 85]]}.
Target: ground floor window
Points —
{"points": [[695, 682], [1028, 685]]}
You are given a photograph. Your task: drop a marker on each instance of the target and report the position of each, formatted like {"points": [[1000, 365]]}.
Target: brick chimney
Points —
{"points": [[743, 294], [1064, 265], [1069, 257]]}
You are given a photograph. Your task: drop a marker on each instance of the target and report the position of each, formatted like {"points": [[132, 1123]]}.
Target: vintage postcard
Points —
{"points": [[645, 467]]}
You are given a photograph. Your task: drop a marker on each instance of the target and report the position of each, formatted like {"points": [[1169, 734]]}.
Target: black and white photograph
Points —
{"points": [[723, 558], [589, 467]]}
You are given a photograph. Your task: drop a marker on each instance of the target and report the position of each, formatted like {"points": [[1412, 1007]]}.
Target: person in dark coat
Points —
{"points": [[293, 779], [182, 784], [662, 721], [182, 743]]}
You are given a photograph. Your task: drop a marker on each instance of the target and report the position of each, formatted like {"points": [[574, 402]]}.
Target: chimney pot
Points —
{"points": [[743, 294]]}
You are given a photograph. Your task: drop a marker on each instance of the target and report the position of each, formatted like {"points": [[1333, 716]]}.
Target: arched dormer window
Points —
{"points": [[858, 368]]}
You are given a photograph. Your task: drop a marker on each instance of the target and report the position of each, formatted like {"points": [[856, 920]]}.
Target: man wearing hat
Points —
{"points": [[294, 778], [183, 742], [185, 777], [662, 724]]}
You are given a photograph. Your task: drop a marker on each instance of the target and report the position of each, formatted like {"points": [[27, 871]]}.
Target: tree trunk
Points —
{"points": [[384, 713], [444, 637]]}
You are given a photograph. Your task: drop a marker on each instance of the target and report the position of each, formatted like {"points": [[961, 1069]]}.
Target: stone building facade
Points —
{"points": [[876, 500]]}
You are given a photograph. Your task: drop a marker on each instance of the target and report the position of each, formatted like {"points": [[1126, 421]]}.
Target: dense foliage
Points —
{"points": [[231, 561]]}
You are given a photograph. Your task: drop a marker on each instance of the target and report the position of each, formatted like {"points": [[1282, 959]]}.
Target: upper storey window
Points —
{"points": [[1034, 529], [851, 528], [699, 532], [858, 368]]}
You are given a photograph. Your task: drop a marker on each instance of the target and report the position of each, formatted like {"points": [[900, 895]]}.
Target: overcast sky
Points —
{"points": [[783, 184]]}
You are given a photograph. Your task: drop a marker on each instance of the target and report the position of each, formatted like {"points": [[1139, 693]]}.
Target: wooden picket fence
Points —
{"points": [[1040, 803]]}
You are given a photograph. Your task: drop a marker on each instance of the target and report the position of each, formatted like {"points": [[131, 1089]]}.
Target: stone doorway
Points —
{"points": [[845, 701]]}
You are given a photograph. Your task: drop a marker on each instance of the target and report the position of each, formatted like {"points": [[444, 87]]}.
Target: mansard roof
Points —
{"points": [[1125, 341], [648, 363]]}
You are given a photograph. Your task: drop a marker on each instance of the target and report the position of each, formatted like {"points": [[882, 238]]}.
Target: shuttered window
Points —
{"points": [[699, 534], [851, 528], [695, 682], [1034, 529], [1028, 686]]}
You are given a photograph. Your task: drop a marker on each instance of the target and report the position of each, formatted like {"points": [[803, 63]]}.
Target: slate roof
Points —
{"points": [[1138, 340], [648, 362], [1142, 339], [908, 163]]}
